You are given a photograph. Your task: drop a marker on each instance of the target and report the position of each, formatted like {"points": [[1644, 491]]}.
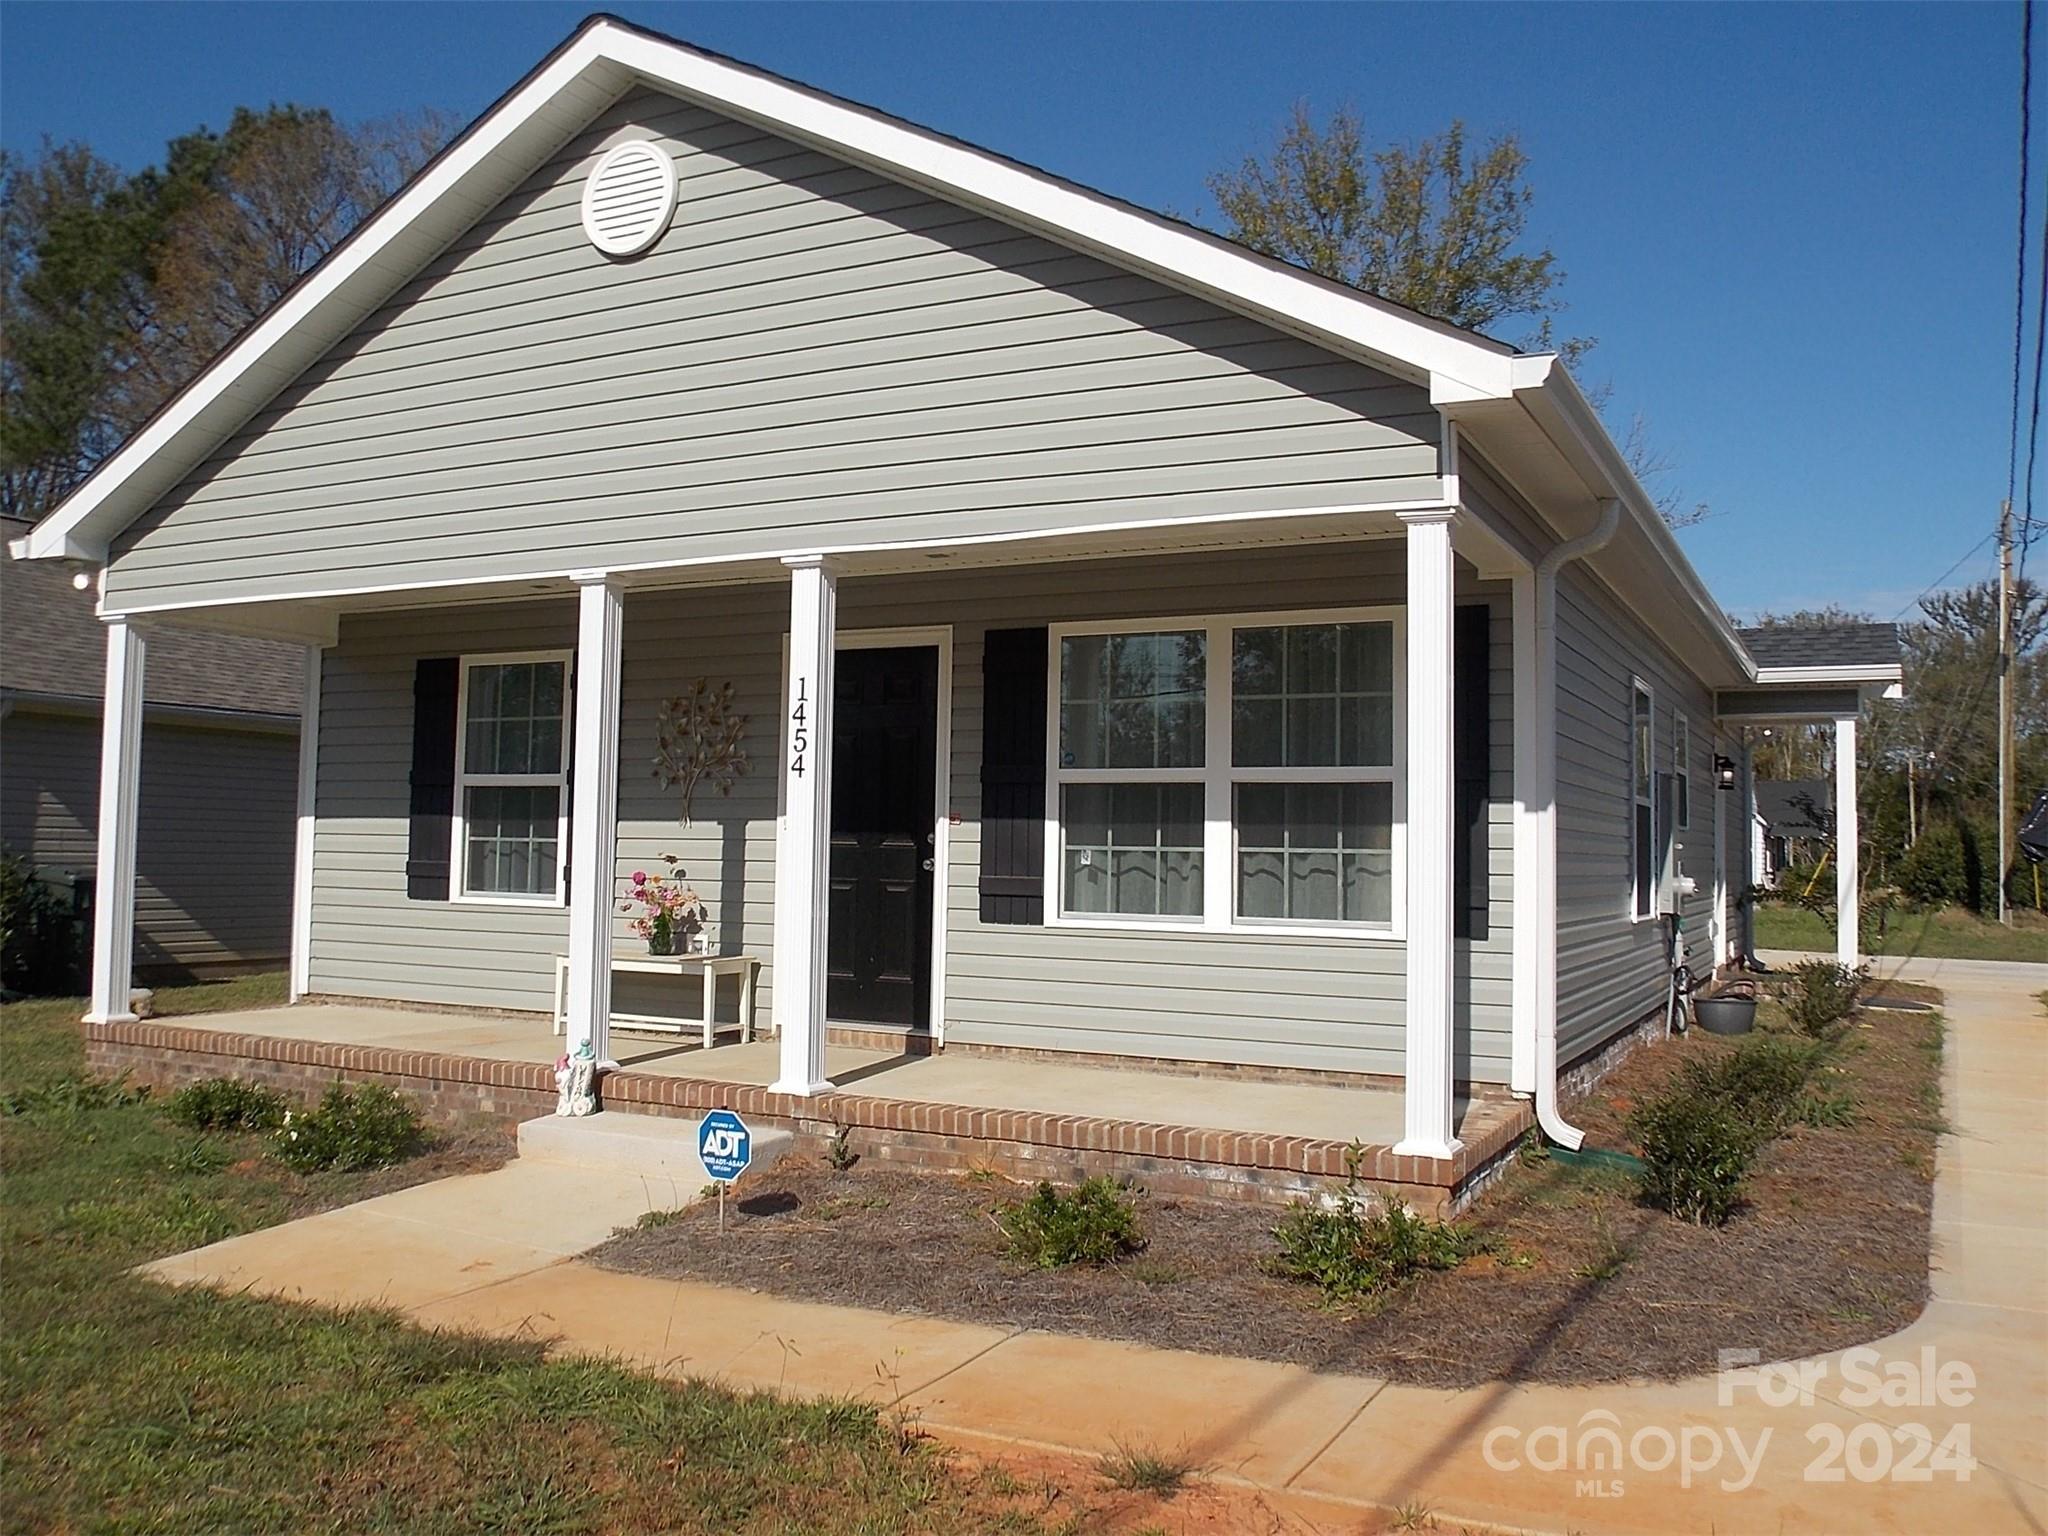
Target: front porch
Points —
{"points": [[1181, 1135]]}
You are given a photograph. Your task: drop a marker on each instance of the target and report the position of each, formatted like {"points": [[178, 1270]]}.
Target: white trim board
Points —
{"points": [[767, 564]]}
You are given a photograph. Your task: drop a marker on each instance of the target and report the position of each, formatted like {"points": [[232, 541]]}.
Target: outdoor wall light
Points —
{"points": [[1724, 770]]}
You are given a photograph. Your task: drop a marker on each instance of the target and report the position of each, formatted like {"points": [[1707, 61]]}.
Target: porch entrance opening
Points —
{"points": [[885, 726]]}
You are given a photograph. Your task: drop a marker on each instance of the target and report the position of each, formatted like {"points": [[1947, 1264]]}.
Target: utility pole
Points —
{"points": [[2004, 707]]}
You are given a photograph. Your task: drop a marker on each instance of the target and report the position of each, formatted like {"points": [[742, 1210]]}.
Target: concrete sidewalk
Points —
{"points": [[488, 1253]]}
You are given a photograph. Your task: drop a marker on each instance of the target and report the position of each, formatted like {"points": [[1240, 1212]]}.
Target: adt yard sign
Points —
{"points": [[724, 1145]]}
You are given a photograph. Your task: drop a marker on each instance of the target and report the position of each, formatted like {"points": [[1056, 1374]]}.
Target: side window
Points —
{"points": [[1642, 791]]}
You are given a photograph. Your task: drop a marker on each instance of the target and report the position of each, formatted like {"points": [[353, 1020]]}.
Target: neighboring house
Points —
{"points": [[1150, 651], [1793, 821], [213, 853]]}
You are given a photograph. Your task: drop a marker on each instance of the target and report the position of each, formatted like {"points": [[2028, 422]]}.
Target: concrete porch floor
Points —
{"points": [[1341, 1113]]}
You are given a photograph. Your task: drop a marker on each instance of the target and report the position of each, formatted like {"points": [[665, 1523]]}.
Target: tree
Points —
{"points": [[118, 289], [1430, 225], [1422, 224]]}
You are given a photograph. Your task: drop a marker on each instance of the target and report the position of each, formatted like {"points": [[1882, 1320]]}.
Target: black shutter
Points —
{"points": [[1013, 670], [1471, 752], [427, 872]]}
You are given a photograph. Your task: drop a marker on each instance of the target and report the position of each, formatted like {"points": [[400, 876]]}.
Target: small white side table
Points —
{"points": [[746, 967]]}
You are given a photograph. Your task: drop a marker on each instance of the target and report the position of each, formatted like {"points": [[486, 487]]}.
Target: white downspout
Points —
{"points": [[1543, 801]]}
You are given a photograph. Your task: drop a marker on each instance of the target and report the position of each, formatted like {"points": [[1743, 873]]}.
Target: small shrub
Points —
{"points": [[1697, 1148], [839, 1153], [72, 1095], [227, 1104], [1141, 1469], [1819, 994], [1093, 1223], [1353, 1252], [1761, 1080], [42, 948], [351, 1129]]}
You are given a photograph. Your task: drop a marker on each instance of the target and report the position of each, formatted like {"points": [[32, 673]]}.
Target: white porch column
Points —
{"points": [[1529, 857], [1848, 885], [804, 845], [113, 895], [1717, 916], [302, 849], [594, 812], [1430, 1113], [1752, 856]]}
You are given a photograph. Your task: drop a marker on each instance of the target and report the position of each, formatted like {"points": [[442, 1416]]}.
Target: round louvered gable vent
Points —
{"points": [[629, 199]]}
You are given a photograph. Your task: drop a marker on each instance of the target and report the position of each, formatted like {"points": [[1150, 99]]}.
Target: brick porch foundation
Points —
{"points": [[1177, 1161]]}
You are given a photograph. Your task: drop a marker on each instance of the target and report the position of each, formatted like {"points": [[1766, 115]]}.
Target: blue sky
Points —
{"points": [[1791, 227]]}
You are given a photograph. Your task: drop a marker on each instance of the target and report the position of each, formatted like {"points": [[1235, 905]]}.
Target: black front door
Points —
{"points": [[885, 734]]}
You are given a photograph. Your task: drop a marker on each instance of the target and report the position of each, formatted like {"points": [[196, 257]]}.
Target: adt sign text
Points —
{"points": [[724, 1145]]}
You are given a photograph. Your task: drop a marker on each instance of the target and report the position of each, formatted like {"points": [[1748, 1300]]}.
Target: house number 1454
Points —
{"points": [[799, 732]]}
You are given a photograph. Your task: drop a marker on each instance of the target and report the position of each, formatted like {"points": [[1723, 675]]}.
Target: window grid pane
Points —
{"points": [[1133, 701], [515, 718], [1132, 849], [1313, 696], [513, 836], [1315, 852]]}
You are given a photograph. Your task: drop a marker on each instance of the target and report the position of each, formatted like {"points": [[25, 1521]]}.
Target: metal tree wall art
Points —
{"points": [[697, 738]]}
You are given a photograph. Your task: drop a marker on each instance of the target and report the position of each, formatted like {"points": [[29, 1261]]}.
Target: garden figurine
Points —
{"points": [[576, 1081]]}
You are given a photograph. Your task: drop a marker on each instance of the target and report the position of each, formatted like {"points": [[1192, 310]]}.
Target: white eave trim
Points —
{"points": [[1866, 673], [1554, 400], [458, 186]]}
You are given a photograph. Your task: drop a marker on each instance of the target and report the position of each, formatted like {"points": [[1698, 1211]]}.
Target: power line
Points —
{"points": [[1944, 576], [2019, 319]]}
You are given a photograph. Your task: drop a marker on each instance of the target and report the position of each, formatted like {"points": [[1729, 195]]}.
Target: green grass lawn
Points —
{"points": [[1951, 933], [131, 1406]]}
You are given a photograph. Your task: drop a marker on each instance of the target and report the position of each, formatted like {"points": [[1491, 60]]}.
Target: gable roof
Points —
{"points": [[1829, 653], [1529, 403], [57, 649], [598, 63]]}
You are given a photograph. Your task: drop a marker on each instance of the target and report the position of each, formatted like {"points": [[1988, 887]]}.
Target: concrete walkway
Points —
{"points": [[1736, 1455]]}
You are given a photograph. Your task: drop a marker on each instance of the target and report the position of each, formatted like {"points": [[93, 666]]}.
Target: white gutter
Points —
{"points": [[1543, 802]]}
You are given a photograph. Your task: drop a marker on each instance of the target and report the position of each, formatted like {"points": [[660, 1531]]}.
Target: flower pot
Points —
{"points": [[1732, 1013]]}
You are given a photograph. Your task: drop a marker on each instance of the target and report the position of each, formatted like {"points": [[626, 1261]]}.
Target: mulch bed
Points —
{"points": [[1582, 1283]]}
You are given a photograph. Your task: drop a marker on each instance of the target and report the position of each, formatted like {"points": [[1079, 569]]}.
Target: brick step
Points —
{"points": [[657, 1147]]}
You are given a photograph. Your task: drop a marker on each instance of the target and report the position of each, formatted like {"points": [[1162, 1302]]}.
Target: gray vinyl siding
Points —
{"points": [[1265, 1000], [811, 355], [1613, 971], [215, 831]]}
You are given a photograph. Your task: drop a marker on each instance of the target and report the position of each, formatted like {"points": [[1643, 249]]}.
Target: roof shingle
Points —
{"points": [[51, 642], [1835, 645]]}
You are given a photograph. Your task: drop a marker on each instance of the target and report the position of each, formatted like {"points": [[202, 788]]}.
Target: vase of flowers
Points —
{"points": [[667, 912]]}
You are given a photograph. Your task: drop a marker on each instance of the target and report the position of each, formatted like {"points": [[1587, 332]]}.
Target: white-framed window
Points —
{"points": [[1235, 772], [512, 777], [1642, 738]]}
